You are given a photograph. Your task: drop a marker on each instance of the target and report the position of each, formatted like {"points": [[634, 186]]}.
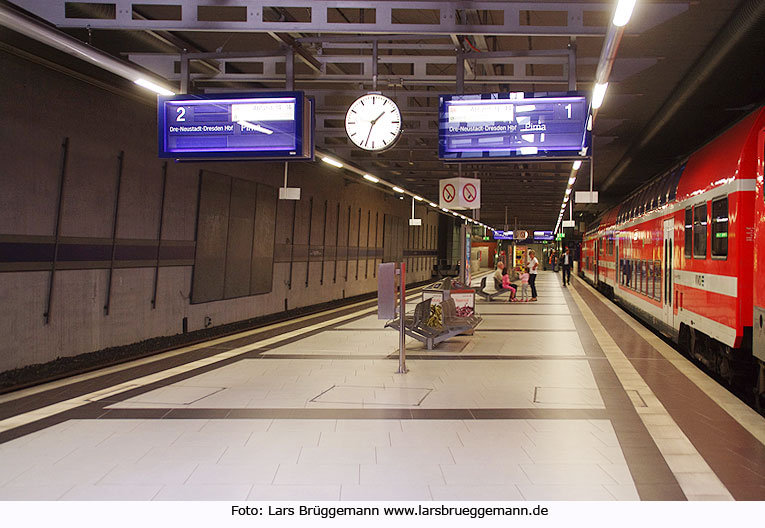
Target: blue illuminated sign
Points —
{"points": [[503, 235], [543, 235], [502, 126], [244, 126]]}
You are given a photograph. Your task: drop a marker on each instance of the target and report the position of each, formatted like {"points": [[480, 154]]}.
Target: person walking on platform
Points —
{"points": [[533, 270], [565, 261]]}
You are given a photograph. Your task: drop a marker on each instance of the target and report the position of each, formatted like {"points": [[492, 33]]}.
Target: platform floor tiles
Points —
{"points": [[528, 408]]}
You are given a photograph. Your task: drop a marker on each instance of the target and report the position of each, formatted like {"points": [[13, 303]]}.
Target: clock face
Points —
{"points": [[373, 122]]}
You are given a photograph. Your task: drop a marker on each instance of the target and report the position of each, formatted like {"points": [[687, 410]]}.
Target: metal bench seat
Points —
{"points": [[416, 327], [487, 294]]}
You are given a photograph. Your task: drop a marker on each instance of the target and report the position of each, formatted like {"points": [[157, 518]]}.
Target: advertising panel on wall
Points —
{"points": [[265, 126], [501, 126]]}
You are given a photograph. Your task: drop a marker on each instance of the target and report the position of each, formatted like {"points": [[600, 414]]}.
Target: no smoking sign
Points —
{"points": [[460, 193]]}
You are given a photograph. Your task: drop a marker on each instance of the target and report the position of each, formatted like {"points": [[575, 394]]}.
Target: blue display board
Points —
{"points": [[503, 235], [273, 126], [543, 235], [501, 126]]}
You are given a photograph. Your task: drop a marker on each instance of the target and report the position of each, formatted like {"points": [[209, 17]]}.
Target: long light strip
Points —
{"points": [[334, 163], [153, 87], [598, 94], [623, 12], [326, 157]]}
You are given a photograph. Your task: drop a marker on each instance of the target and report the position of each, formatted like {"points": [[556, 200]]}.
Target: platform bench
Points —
{"points": [[489, 296], [415, 324]]}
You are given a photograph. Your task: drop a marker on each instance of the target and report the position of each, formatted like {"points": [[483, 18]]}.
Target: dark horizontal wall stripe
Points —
{"points": [[33, 255], [301, 253], [420, 253], [25, 252], [135, 253], [177, 252], [84, 252]]}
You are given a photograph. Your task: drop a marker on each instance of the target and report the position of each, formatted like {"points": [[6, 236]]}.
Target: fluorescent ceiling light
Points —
{"points": [[332, 162], [589, 124], [432, 204], [444, 209], [153, 87], [398, 189], [418, 198], [371, 178], [568, 191], [577, 165], [623, 12], [571, 180], [565, 200], [598, 94]]}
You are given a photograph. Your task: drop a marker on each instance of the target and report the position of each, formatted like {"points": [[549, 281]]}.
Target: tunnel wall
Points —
{"points": [[142, 259]]}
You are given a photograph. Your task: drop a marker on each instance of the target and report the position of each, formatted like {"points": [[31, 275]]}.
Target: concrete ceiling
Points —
{"points": [[665, 45]]}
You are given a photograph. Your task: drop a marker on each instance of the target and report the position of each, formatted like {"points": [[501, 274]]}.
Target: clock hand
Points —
{"points": [[370, 133], [378, 117]]}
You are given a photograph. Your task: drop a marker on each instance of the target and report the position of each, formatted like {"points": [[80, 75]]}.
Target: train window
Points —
{"points": [[643, 278], [662, 191], [674, 181], [651, 201], [720, 228], [700, 231], [648, 279], [688, 232], [657, 279]]}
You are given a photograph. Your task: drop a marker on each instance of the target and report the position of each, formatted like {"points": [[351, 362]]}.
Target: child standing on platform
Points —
{"points": [[525, 285]]}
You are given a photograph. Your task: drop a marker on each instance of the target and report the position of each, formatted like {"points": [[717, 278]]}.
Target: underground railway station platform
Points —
{"points": [[566, 398], [209, 210]]}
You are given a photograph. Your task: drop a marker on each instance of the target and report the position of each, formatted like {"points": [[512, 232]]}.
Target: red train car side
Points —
{"points": [[684, 255]]}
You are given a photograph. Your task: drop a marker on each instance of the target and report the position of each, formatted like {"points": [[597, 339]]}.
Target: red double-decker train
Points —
{"points": [[686, 253]]}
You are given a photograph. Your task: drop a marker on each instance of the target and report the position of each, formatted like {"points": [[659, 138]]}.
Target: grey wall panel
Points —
{"points": [[212, 235], [261, 278], [241, 221]]}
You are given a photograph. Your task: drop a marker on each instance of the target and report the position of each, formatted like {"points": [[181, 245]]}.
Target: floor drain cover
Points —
{"points": [[371, 395], [568, 396]]}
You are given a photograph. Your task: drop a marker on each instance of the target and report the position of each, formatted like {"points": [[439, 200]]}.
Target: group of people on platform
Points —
{"points": [[527, 275], [508, 280]]}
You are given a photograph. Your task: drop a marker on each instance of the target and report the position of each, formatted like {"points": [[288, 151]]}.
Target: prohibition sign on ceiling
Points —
{"points": [[469, 192], [449, 192]]}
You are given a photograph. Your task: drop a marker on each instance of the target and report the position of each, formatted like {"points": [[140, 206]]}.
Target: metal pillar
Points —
{"points": [[401, 314]]}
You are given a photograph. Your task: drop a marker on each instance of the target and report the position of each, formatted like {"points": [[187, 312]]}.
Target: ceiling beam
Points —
{"points": [[396, 16]]}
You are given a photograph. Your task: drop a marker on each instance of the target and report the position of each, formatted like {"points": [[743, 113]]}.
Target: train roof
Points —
{"points": [[715, 164]]}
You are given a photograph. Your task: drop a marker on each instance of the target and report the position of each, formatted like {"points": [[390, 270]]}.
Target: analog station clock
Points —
{"points": [[373, 122]]}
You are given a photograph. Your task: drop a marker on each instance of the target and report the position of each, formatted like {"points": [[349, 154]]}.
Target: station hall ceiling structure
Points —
{"points": [[683, 72]]}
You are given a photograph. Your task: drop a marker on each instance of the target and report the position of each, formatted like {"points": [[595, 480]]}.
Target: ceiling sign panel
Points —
{"points": [[503, 126], [236, 126], [460, 193]]}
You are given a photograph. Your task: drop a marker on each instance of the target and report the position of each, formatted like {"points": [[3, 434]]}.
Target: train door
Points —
{"points": [[669, 243], [596, 267]]}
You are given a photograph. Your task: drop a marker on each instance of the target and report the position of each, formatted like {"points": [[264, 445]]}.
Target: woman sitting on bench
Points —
{"points": [[512, 288]]}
